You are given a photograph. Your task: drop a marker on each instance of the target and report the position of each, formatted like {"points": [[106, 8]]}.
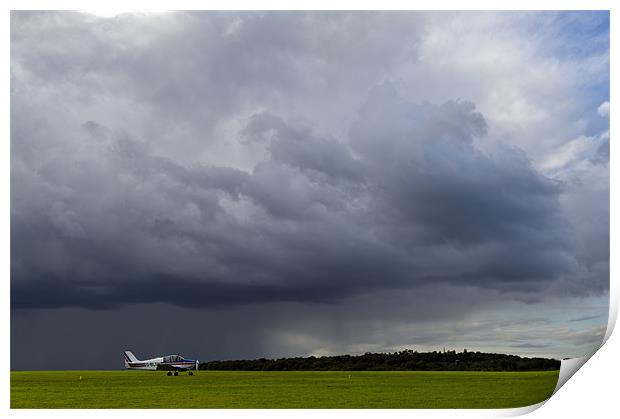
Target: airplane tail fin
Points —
{"points": [[130, 357]]}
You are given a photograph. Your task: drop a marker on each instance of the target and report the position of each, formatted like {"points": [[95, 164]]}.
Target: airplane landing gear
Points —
{"points": [[169, 374], [190, 373], [176, 373]]}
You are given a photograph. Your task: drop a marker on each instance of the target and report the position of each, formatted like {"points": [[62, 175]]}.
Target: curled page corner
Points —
{"points": [[568, 368], [613, 314]]}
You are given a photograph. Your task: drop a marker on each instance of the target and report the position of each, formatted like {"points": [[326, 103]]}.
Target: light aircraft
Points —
{"points": [[168, 363]]}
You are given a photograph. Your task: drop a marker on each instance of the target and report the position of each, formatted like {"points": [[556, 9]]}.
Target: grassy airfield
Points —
{"points": [[281, 389]]}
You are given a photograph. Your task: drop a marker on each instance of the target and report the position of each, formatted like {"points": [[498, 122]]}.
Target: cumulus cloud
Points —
{"points": [[603, 109]]}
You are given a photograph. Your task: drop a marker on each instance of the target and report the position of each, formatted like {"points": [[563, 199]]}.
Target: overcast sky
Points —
{"points": [[248, 184]]}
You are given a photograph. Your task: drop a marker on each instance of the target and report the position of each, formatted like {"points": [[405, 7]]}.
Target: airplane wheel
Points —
{"points": [[176, 373], [169, 374], [190, 373]]}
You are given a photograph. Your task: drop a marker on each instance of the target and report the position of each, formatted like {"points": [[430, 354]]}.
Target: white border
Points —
{"points": [[591, 394]]}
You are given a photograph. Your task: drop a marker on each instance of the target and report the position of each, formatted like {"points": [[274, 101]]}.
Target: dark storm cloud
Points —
{"points": [[406, 200]]}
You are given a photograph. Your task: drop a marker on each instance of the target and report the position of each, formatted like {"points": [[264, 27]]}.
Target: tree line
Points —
{"points": [[407, 360]]}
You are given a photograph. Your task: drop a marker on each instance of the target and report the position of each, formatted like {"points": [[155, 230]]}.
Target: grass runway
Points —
{"points": [[281, 389]]}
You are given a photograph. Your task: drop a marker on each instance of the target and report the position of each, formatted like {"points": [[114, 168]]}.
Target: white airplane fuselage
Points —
{"points": [[168, 362]]}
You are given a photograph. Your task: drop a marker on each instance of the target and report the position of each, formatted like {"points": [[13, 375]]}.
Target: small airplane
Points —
{"points": [[168, 363]]}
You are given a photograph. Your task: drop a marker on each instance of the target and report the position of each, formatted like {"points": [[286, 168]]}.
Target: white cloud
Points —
{"points": [[603, 109]]}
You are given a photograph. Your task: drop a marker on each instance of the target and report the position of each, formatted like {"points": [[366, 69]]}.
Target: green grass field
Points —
{"points": [[290, 389]]}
